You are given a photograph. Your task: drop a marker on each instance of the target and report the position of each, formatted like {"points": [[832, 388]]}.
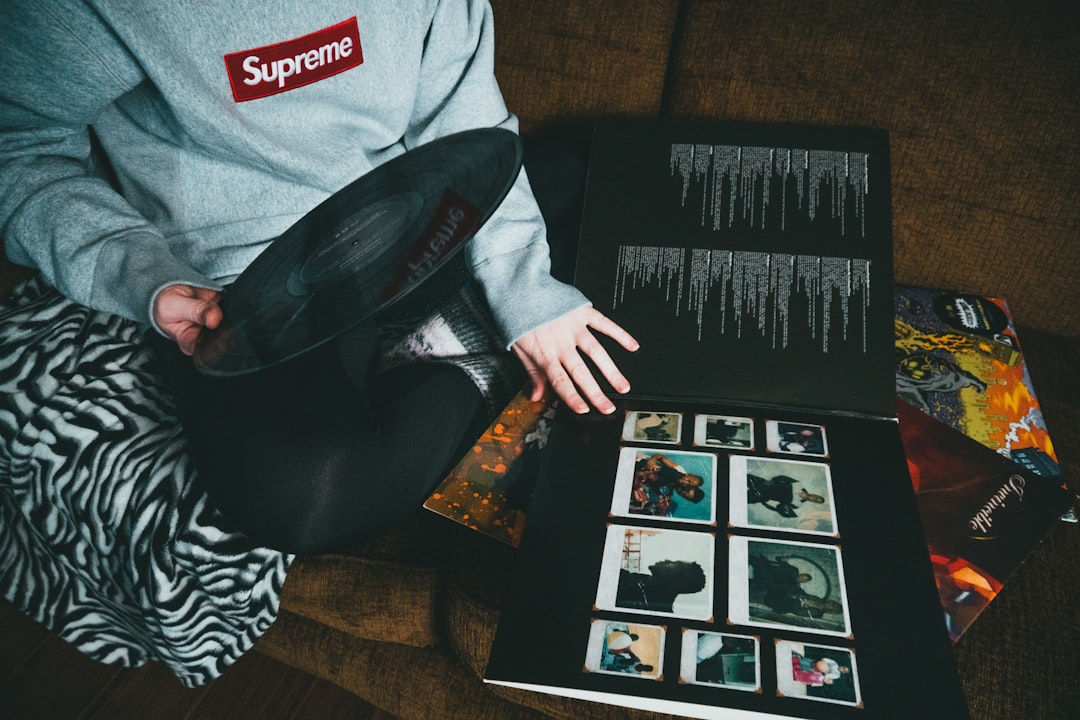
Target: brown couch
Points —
{"points": [[980, 99]]}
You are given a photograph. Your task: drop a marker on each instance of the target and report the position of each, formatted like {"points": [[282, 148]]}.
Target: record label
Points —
{"points": [[371, 246]]}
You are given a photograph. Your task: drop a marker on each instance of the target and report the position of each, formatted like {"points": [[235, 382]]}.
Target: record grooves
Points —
{"points": [[370, 247]]}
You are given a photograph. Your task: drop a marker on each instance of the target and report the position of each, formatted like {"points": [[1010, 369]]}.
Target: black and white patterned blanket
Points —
{"points": [[104, 536]]}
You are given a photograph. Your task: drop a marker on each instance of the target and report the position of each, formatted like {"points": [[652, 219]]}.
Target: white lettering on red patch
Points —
{"points": [[290, 64]]}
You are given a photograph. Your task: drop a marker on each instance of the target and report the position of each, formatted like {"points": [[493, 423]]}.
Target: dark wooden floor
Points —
{"points": [[44, 678]]}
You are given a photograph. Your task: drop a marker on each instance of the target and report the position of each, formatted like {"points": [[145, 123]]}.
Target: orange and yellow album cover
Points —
{"points": [[489, 489], [958, 359]]}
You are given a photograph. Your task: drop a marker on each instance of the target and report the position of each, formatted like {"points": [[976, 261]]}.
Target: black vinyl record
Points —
{"points": [[363, 251]]}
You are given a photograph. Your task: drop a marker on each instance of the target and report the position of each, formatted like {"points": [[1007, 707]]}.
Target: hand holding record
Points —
{"points": [[385, 243], [184, 311]]}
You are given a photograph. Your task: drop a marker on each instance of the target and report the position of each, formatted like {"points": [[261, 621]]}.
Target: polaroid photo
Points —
{"points": [[671, 484], [796, 438], [793, 495], [817, 672], [721, 660], [787, 584], [657, 572], [652, 427], [617, 647], [724, 431]]}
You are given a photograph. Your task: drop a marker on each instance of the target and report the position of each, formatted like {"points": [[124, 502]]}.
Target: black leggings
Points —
{"points": [[303, 457], [314, 455]]}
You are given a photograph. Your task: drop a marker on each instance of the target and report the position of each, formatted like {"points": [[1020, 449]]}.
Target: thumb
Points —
{"points": [[206, 311]]}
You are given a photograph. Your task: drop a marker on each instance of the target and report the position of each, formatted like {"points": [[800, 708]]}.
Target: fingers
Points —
{"points": [[545, 368], [602, 323], [207, 313], [596, 352], [605, 364], [577, 380], [187, 338], [555, 353], [182, 312]]}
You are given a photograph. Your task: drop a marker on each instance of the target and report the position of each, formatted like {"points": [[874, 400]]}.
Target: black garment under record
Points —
{"points": [[315, 454]]}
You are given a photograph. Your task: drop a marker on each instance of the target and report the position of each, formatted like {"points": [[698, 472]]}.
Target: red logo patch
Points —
{"points": [[283, 66]]}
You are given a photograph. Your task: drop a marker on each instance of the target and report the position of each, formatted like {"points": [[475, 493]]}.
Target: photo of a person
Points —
{"points": [[787, 584], [621, 648], [816, 672], [679, 485], [710, 658], [657, 589], [653, 427], [785, 494], [796, 438], [658, 572], [724, 431]]}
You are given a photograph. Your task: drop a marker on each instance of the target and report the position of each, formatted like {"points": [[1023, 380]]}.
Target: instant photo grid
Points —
{"points": [[740, 539]]}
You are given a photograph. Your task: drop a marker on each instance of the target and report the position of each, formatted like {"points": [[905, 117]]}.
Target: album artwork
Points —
{"points": [[959, 360], [781, 494], [985, 470], [723, 431], [741, 538], [720, 659], [489, 489], [982, 512], [673, 484]]}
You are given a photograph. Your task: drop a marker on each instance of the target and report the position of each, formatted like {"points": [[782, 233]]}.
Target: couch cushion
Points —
{"points": [[409, 682], [576, 60], [475, 578], [981, 102], [384, 590]]}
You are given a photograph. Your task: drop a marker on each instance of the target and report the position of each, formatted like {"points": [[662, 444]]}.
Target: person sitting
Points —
{"points": [[148, 155]]}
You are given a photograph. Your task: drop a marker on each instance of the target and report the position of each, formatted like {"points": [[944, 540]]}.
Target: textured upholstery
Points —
{"points": [[573, 61], [386, 590]]}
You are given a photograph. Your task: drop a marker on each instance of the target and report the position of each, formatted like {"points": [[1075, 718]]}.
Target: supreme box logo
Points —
{"points": [[290, 64]]}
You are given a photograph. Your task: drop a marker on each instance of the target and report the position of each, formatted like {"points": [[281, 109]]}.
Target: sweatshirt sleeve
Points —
{"points": [[458, 91], [62, 68]]}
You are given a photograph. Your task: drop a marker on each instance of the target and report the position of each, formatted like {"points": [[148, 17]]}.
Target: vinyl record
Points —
{"points": [[371, 247]]}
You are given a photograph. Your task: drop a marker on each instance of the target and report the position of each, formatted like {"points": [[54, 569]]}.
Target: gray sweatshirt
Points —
{"points": [[226, 121]]}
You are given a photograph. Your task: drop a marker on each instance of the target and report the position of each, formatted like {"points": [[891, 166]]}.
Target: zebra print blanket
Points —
{"points": [[103, 537]]}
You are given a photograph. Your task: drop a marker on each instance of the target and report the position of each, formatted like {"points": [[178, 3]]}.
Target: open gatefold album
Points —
{"points": [[741, 538], [983, 466]]}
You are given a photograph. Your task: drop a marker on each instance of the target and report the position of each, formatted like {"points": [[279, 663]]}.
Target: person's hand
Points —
{"points": [[552, 355], [183, 311]]}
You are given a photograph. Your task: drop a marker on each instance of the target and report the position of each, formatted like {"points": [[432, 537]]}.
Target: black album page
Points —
{"points": [[721, 561], [752, 262], [741, 538]]}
